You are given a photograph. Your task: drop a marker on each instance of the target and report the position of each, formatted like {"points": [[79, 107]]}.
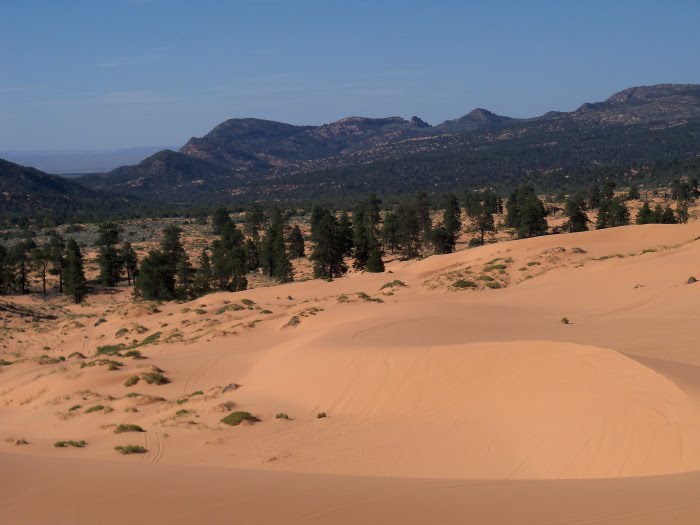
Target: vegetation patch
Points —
{"points": [[282, 415], [96, 408], [393, 284], [236, 418], [128, 427], [130, 449], [70, 443], [4, 362], [155, 378], [321, 415], [464, 284], [365, 297]]}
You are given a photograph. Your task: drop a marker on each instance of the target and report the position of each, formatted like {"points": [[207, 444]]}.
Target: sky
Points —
{"points": [[82, 75]]}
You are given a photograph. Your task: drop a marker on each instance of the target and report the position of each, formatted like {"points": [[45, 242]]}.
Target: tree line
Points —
{"points": [[265, 243]]}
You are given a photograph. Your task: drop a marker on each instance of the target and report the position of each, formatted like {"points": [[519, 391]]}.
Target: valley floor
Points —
{"points": [[549, 380]]}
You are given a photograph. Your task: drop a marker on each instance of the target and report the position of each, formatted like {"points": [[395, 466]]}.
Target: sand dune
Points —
{"points": [[443, 404]]}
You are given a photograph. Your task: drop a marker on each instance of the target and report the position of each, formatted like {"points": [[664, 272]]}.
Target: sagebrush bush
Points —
{"points": [[236, 418], [130, 449], [128, 427]]}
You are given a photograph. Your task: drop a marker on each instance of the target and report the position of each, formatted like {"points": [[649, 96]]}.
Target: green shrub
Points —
{"points": [[200, 311], [464, 284], [3, 362], [282, 415], [95, 408], [130, 449], [133, 394], [182, 412], [493, 285], [236, 418], [155, 378], [131, 381], [533, 263], [128, 427], [248, 302], [495, 267], [134, 354], [74, 408], [486, 278], [393, 284], [70, 443]]}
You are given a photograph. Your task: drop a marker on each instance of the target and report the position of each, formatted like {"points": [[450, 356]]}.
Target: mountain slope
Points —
{"points": [[244, 159], [28, 191]]}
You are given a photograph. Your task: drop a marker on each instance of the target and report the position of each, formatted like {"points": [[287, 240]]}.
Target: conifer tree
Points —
{"points": [[203, 275], [219, 218], [452, 216], [482, 223], [296, 243], [254, 219], [130, 259], [375, 264], [156, 280], [645, 215], [108, 258], [328, 251], [667, 217], [424, 221], [408, 229], [75, 284], [362, 241], [346, 233], [58, 247], [575, 211], [40, 261]]}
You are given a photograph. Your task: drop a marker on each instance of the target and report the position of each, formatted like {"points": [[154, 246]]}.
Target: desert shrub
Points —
{"points": [[110, 349], [236, 418], [200, 311], [133, 394], [393, 284], [74, 408], [96, 408], [493, 285], [493, 267], [155, 378], [365, 297], [486, 278], [121, 332], [533, 263], [565, 320], [248, 302], [4, 362], [77, 355], [282, 415], [464, 284], [321, 415], [134, 354], [70, 443], [130, 449], [266, 312], [128, 427], [182, 412]]}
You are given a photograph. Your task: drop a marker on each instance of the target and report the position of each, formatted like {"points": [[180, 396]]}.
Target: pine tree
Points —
{"points": [[156, 280], [40, 261], [361, 239], [75, 284], [452, 216], [667, 217], [19, 257], [219, 218], [252, 255], [424, 221], [482, 224], [254, 219], [374, 261], [526, 213], [682, 212], [6, 272], [201, 284], [594, 198], [645, 215], [443, 241], [390, 232], [58, 247], [328, 251], [130, 259], [108, 257], [296, 243], [575, 211], [408, 230], [633, 193], [346, 233]]}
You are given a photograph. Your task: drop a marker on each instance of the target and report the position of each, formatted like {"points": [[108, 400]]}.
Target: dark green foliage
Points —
{"points": [[131, 381], [452, 217], [296, 243], [95, 408], [612, 213], [128, 427], [282, 415], [482, 222], [645, 215], [409, 232], [70, 443], [41, 258], [329, 246], [74, 283], [155, 378], [108, 256], [375, 264], [443, 241], [228, 260], [130, 260], [575, 211], [464, 284], [254, 219], [633, 193], [219, 218], [130, 449], [526, 213], [156, 281], [236, 418], [203, 276]]}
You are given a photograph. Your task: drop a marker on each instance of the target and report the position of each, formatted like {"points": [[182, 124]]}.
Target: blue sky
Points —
{"points": [[103, 74]]}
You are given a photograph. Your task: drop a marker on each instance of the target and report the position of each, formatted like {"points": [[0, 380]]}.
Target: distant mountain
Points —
{"points": [[245, 159], [28, 191], [474, 120], [76, 162]]}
